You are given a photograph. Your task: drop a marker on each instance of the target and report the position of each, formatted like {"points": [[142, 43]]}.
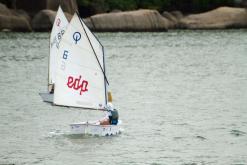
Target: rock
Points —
{"points": [[32, 7], [89, 23], [220, 18], [116, 11], [139, 20], [4, 10], [68, 16], [43, 21], [21, 13], [177, 14], [243, 3], [14, 23], [14, 20], [6, 30], [173, 20], [169, 16], [68, 6]]}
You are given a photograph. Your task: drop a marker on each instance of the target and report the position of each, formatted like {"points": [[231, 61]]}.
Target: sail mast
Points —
{"points": [[106, 98]]}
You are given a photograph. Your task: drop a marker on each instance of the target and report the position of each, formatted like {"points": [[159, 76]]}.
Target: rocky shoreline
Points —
{"points": [[129, 21]]}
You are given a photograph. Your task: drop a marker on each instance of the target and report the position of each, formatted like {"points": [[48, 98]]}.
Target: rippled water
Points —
{"points": [[182, 97]]}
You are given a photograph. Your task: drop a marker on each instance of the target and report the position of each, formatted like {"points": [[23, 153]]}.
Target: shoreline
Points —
{"points": [[142, 20]]}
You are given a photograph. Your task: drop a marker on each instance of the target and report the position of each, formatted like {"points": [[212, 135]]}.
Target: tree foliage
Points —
{"points": [[90, 7], [6, 2], [187, 6]]}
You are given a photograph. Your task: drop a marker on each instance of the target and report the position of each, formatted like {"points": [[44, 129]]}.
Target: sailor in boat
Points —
{"points": [[111, 117], [51, 88]]}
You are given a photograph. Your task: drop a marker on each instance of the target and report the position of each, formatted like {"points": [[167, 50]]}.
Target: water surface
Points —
{"points": [[181, 96]]}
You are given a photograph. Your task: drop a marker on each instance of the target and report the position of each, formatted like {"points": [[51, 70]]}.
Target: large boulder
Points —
{"points": [[139, 20], [14, 20], [172, 19], [21, 13], [177, 14], [220, 18], [4, 10], [43, 21], [34, 6], [68, 6]]}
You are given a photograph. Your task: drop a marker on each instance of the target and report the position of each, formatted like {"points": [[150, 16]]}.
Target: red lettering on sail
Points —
{"points": [[58, 22], [77, 84]]}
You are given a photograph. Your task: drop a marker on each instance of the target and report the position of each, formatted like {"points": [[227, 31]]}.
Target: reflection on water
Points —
{"points": [[181, 95]]}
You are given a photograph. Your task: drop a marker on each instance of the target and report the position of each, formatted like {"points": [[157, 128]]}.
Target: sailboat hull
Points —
{"points": [[94, 129], [47, 97]]}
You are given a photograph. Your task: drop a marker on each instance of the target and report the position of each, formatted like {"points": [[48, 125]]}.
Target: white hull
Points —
{"points": [[93, 129], [47, 97]]}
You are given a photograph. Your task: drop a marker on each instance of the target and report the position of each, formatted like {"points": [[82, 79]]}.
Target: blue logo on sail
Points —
{"points": [[76, 37]]}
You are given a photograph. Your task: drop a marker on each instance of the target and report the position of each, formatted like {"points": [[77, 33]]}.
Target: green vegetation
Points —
{"points": [[6, 2], [89, 7]]}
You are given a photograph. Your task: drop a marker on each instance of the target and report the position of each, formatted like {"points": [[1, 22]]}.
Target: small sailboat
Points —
{"points": [[80, 77], [59, 26]]}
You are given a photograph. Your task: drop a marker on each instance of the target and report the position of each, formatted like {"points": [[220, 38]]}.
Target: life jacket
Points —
{"points": [[114, 117]]}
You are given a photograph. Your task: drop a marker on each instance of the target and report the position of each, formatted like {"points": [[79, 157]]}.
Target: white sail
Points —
{"points": [[80, 81], [98, 48], [59, 26]]}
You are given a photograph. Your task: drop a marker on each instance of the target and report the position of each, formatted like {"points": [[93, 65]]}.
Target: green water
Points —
{"points": [[181, 96]]}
